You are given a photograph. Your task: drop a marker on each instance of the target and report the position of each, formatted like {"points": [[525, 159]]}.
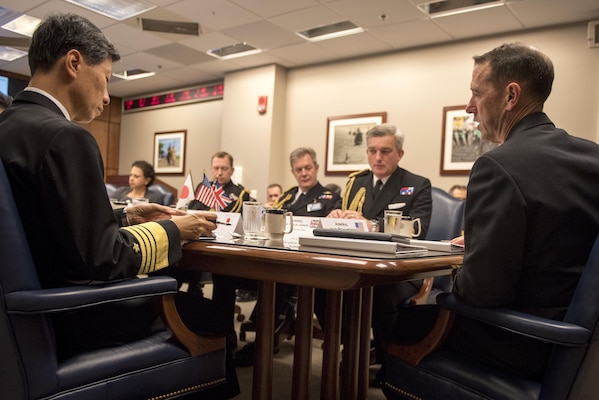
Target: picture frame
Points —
{"points": [[346, 142], [461, 141], [169, 152]]}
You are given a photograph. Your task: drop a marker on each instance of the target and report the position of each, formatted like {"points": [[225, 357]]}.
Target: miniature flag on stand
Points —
{"points": [[221, 200], [212, 195], [204, 194], [186, 194]]}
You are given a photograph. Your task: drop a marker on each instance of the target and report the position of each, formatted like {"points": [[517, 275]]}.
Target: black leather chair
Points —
{"points": [[447, 221], [447, 217], [168, 198], [167, 364], [110, 190], [429, 372]]}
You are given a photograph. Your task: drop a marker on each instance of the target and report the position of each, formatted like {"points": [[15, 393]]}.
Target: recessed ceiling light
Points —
{"points": [[132, 74], [10, 54], [234, 51], [445, 8], [331, 31], [23, 25], [116, 9]]}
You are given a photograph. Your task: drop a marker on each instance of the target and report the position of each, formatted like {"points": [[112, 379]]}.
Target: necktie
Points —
{"points": [[377, 188], [298, 198]]}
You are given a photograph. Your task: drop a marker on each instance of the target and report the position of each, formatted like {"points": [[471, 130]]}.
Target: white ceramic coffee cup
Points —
{"points": [[276, 223], [410, 227]]}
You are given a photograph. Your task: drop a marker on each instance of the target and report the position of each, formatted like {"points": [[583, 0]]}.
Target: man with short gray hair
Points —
{"points": [[368, 193]]}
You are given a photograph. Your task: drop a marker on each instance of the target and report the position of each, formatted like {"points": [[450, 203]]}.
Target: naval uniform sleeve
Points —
{"points": [[81, 220]]}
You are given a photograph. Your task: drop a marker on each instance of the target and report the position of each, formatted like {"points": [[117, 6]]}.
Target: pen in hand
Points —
{"points": [[221, 222]]}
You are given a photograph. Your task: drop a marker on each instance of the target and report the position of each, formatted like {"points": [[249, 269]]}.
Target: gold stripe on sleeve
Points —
{"points": [[153, 246]]}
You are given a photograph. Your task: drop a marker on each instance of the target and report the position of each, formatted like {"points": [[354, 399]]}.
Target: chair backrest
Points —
{"points": [[17, 269], [566, 362], [110, 190], [23, 336], [168, 198], [447, 217]]}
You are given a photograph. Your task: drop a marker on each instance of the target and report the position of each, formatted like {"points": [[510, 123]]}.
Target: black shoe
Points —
{"points": [[245, 356], [378, 380]]}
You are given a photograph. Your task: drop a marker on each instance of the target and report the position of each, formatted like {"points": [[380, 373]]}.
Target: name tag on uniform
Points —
{"points": [[314, 207]]}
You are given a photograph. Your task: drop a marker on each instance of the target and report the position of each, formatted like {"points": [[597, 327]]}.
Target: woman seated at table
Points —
{"points": [[141, 176]]}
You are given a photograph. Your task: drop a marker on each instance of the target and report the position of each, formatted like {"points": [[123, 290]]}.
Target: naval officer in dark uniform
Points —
{"points": [[308, 199], [221, 166], [367, 195]]}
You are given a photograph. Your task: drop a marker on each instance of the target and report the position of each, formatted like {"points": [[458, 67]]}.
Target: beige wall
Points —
{"points": [[411, 86], [203, 124]]}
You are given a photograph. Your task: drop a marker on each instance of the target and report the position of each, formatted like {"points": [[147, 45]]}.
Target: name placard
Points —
{"points": [[227, 223], [302, 226], [342, 224]]}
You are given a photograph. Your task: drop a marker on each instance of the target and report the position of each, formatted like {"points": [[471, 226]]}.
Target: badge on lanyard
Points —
{"points": [[314, 207]]}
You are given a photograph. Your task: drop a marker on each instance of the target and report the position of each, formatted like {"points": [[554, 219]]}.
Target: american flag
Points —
{"points": [[212, 195]]}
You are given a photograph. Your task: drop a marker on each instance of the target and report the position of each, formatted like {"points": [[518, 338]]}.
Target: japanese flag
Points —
{"points": [[186, 194]]}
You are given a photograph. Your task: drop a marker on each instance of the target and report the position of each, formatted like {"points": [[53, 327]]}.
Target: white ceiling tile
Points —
{"points": [[123, 34], [307, 18], [263, 34], [216, 14], [268, 8], [483, 22]]}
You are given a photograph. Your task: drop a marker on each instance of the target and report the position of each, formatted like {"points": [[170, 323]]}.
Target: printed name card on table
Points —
{"points": [[228, 223], [302, 226], [352, 225]]}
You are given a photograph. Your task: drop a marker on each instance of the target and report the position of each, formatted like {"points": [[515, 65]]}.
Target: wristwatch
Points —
{"points": [[124, 221]]}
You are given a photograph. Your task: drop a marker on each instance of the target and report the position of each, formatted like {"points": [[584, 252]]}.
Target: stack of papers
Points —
{"points": [[436, 245], [360, 247]]}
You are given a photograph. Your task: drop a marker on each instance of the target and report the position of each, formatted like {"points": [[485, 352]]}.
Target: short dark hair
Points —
{"points": [[223, 154], [5, 100], [59, 33], [520, 63], [147, 169]]}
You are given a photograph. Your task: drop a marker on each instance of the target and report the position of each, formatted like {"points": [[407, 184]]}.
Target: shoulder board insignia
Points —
{"points": [[359, 173]]}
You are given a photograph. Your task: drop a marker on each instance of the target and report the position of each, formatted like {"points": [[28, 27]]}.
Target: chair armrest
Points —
{"points": [[196, 345], [547, 330], [76, 297]]}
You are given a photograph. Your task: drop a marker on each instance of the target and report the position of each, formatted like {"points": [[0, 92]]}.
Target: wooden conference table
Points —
{"points": [[271, 262]]}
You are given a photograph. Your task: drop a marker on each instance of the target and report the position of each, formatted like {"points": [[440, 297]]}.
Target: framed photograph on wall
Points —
{"points": [[461, 141], [169, 152], [346, 142]]}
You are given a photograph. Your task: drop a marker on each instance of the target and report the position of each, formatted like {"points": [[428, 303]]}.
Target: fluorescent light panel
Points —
{"points": [[445, 8], [115, 9], [234, 51], [23, 25], [132, 74], [331, 31], [10, 54]]}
